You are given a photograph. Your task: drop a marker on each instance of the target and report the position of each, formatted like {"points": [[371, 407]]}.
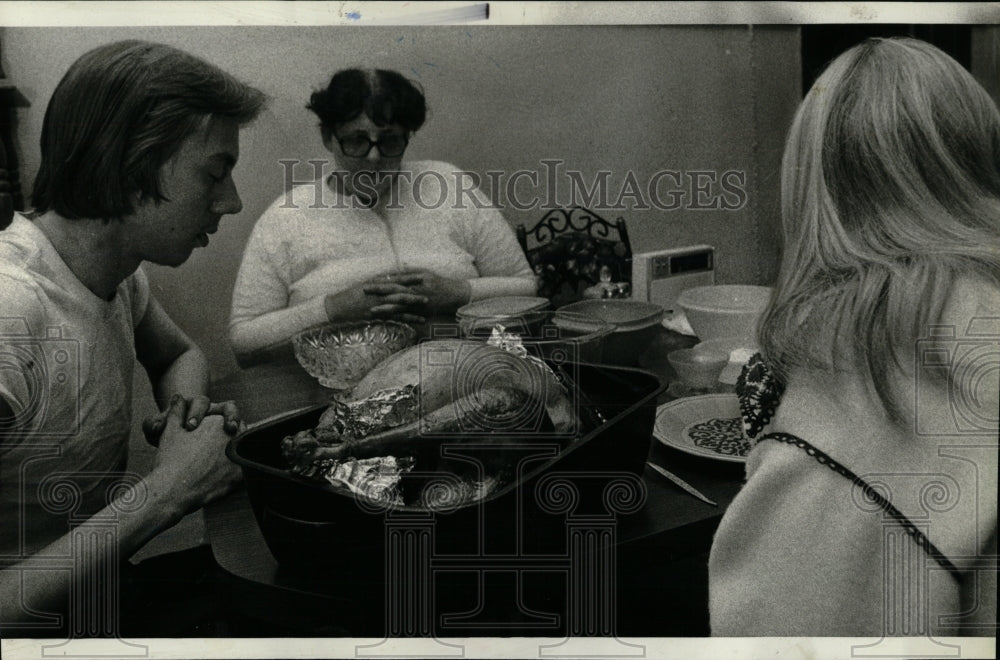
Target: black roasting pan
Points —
{"points": [[318, 525]]}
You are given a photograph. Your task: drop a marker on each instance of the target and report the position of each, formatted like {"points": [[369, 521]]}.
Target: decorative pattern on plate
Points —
{"points": [[715, 419], [721, 435]]}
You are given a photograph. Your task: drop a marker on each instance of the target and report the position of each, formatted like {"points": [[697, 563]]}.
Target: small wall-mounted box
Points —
{"points": [[660, 276]]}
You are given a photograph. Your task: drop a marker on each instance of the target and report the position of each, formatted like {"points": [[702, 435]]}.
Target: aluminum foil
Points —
{"points": [[507, 341], [375, 478], [511, 343], [383, 410]]}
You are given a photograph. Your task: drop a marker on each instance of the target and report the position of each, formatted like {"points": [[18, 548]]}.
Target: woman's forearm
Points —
{"points": [[251, 335]]}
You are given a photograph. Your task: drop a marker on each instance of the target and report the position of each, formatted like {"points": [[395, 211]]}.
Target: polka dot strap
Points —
{"points": [[871, 494]]}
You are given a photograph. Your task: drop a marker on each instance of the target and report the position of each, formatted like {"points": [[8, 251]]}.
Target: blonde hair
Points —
{"points": [[890, 191]]}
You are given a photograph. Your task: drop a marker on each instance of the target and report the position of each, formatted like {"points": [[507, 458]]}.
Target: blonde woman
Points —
{"points": [[870, 506]]}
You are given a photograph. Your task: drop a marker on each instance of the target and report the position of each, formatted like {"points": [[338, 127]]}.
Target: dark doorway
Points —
{"points": [[822, 43]]}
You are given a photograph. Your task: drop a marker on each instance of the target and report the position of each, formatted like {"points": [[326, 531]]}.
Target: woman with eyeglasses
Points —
{"points": [[379, 237]]}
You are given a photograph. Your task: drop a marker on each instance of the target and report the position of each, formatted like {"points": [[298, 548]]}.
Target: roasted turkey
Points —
{"points": [[453, 389]]}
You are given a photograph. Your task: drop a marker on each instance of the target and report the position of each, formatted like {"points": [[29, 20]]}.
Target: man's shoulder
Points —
{"points": [[26, 281], [24, 273], [18, 252], [18, 277], [21, 308]]}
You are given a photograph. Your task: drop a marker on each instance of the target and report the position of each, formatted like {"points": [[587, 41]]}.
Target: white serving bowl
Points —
{"points": [[738, 350], [725, 310], [698, 368]]}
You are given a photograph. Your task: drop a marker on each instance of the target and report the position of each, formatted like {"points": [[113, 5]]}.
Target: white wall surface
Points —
{"points": [[618, 98]]}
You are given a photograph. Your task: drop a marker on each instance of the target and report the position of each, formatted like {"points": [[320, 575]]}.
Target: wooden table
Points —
{"points": [[659, 580]]}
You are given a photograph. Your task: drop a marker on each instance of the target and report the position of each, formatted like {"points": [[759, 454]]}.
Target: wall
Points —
{"points": [[986, 58], [621, 99]]}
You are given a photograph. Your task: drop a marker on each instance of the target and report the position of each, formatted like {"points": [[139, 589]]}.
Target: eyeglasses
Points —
{"points": [[359, 146]]}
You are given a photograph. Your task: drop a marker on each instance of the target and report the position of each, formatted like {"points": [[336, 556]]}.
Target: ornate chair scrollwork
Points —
{"points": [[568, 249]]}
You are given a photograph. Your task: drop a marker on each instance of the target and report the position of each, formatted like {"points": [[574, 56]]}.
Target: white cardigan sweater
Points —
{"points": [[298, 253]]}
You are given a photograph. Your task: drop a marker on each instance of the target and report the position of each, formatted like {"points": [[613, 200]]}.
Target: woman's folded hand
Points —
{"points": [[444, 295], [382, 299]]}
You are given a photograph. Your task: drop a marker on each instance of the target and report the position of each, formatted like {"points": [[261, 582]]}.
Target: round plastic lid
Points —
{"points": [[623, 314], [504, 306]]}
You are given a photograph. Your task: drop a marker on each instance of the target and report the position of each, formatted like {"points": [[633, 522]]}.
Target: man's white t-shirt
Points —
{"points": [[66, 365]]}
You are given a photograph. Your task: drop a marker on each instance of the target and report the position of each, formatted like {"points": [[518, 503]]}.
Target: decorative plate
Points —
{"points": [[708, 426]]}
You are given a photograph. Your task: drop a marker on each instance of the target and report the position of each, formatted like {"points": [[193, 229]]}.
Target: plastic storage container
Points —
{"points": [[636, 324], [558, 336], [478, 318]]}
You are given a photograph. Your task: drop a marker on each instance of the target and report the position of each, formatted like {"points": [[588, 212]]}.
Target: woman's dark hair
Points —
{"points": [[384, 96], [118, 115]]}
